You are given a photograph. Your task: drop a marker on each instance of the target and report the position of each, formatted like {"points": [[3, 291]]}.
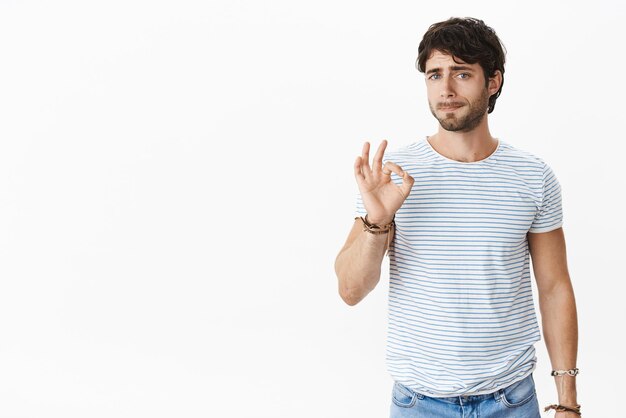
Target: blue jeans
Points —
{"points": [[518, 400]]}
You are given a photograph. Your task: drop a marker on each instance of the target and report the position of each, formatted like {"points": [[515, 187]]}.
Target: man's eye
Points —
{"points": [[434, 76], [464, 75]]}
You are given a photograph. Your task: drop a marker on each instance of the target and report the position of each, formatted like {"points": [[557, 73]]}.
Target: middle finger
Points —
{"points": [[366, 158], [378, 157]]}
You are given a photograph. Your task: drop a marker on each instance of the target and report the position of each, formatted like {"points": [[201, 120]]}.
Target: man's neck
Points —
{"points": [[466, 147]]}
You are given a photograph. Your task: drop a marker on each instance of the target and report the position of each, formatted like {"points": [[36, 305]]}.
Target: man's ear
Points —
{"points": [[495, 81]]}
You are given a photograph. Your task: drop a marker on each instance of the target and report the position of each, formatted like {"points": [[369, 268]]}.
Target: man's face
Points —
{"points": [[457, 95]]}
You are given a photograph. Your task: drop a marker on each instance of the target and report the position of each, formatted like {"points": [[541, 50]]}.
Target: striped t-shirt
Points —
{"points": [[461, 313]]}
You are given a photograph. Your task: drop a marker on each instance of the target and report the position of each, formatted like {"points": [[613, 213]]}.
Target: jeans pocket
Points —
{"points": [[403, 396], [518, 393]]}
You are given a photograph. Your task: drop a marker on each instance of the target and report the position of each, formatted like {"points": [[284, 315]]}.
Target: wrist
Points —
{"points": [[566, 390], [568, 401], [376, 229], [380, 221], [568, 397]]}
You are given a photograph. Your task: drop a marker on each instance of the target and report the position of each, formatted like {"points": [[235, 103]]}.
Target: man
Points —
{"points": [[459, 213]]}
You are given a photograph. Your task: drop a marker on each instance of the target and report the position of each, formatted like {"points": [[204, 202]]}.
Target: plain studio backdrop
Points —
{"points": [[176, 181]]}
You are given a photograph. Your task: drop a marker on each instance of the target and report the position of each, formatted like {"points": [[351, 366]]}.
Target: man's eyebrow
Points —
{"points": [[452, 68]]}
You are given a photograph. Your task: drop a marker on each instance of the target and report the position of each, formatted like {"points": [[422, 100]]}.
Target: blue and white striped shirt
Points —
{"points": [[461, 313]]}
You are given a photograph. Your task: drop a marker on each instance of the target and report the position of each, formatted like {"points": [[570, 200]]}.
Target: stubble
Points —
{"points": [[477, 111]]}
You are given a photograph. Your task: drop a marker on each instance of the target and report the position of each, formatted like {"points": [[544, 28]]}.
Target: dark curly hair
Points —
{"points": [[468, 39]]}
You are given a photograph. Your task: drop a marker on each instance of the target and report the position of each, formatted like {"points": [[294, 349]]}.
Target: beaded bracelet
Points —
{"points": [[571, 372]]}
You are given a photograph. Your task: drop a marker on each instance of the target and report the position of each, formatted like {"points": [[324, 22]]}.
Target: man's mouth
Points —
{"points": [[449, 108]]}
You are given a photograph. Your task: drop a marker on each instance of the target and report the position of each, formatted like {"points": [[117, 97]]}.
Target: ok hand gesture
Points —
{"points": [[381, 197]]}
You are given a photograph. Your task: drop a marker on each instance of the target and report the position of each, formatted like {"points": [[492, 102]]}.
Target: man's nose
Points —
{"points": [[447, 89]]}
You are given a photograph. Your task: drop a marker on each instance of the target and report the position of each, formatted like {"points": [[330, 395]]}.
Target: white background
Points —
{"points": [[176, 181]]}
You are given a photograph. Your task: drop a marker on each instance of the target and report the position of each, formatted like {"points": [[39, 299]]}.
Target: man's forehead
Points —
{"points": [[441, 59]]}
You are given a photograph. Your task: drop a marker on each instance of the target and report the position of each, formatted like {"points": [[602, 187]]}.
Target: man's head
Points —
{"points": [[455, 55]]}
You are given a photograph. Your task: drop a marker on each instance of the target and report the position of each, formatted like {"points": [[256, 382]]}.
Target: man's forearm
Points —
{"points": [[358, 266], [560, 331]]}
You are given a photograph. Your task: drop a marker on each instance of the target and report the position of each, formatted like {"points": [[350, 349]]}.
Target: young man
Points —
{"points": [[459, 213]]}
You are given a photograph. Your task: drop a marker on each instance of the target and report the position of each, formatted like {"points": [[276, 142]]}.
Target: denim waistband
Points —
{"points": [[464, 399]]}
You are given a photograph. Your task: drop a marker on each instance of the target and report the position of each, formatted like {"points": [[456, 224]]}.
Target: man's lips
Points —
{"points": [[449, 107]]}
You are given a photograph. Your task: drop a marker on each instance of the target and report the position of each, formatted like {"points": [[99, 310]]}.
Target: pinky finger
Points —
{"points": [[407, 184]]}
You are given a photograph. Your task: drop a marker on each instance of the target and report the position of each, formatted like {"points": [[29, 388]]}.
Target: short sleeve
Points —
{"points": [[360, 209], [549, 215]]}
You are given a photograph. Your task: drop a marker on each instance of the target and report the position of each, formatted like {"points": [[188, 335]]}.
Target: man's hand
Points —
{"points": [[381, 197]]}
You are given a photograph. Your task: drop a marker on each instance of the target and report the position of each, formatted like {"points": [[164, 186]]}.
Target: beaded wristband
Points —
{"points": [[571, 372]]}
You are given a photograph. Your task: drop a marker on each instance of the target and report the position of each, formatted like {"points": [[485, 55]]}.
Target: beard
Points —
{"points": [[466, 123]]}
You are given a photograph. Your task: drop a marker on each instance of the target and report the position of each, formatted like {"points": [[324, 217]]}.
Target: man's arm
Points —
{"points": [[358, 264], [558, 308]]}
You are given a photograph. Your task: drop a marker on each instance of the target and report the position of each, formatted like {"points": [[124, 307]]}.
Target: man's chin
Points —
{"points": [[450, 124], [454, 128]]}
